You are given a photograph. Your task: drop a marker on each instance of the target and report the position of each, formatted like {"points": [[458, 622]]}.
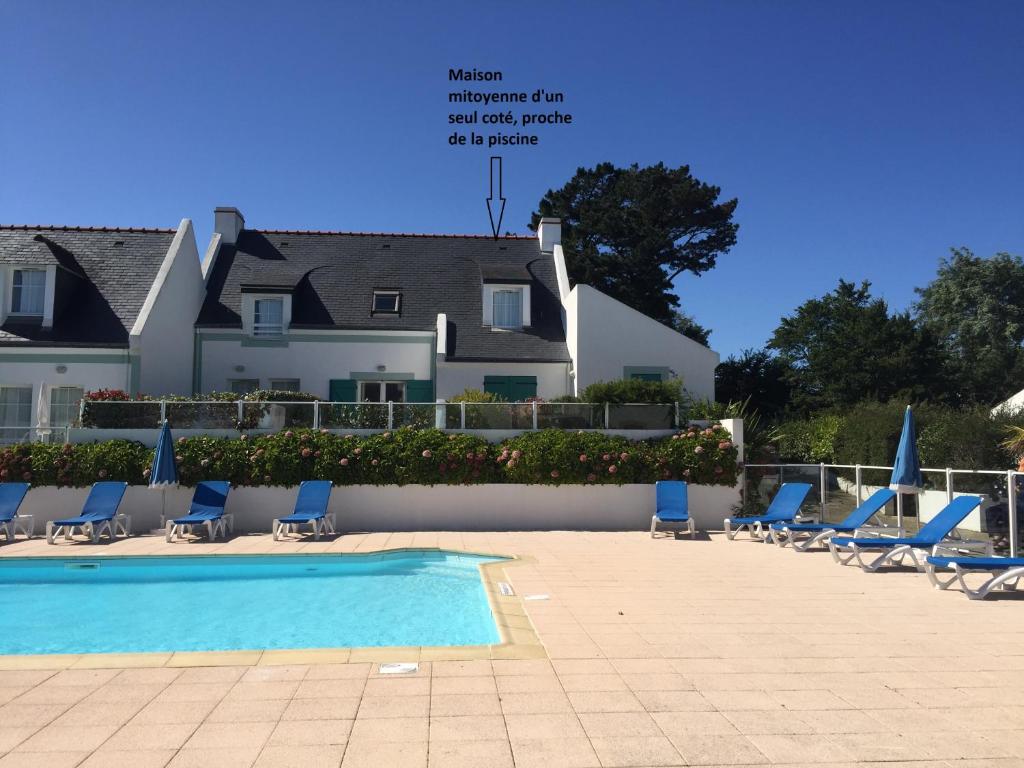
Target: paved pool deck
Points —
{"points": [[651, 653]]}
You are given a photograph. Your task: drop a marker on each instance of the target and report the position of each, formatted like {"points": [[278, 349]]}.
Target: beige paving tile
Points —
{"points": [[472, 668], [275, 673], [718, 750], [636, 751], [115, 693], [543, 726], [321, 709], [706, 723], [399, 686], [405, 729], [310, 733], [12, 736], [593, 683], [394, 706], [87, 713], [38, 715], [259, 711], [33, 759], [467, 728], [528, 684], [554, 753], [673, 701], [334, 688], [780, 748], [138, 758], [229, 735], [242, 757], [385, 754], [338, 671], [535, 703], [464, 704], [146, 736], [323, 756], [605, 701], [726, 700], [496, 753], [519, 667], [199, 692], [67, 738]]}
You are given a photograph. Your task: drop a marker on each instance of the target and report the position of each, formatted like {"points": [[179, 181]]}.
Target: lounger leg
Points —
{"points": [[728, 531], [211, 530], [692, 525], [169, 531], [275, 529], [329, 520], [654, 524], [933, 577]]}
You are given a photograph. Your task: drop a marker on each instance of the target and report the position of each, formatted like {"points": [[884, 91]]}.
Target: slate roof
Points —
{"points": [[105, 283], [333, 276]]}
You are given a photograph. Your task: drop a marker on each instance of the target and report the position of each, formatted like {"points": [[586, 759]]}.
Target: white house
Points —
{"points": [[379, 317], [92, 308]]}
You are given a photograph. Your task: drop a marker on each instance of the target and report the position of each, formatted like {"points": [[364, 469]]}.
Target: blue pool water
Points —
{"points": [[116, 605]]}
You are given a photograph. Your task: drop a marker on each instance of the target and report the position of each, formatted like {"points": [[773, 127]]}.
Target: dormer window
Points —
{"points": [[268, 317], [28, 292], [508, 308], [386, 302]]}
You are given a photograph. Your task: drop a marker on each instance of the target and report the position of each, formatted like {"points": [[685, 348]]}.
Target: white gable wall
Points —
{"points": [[606, 337], [163, 335]]}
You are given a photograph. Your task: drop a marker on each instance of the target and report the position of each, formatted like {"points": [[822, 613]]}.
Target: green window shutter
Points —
{"points": [[343, 390], [498, 385], [419, 391], [523, 387]]}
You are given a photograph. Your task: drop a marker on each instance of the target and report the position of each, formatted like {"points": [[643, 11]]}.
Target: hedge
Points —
{"points": [[702, 455]]}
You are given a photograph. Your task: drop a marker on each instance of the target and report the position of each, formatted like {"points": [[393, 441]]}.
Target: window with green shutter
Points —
{"points": [[343, 390], [419, 391], [511, 388]]}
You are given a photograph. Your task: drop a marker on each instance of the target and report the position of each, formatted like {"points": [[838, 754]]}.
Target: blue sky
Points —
{"points": [[863, 139]]}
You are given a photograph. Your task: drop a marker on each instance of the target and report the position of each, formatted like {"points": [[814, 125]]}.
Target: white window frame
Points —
{"points": [[275, 384], [17, 432], [383, 390], [488, 304], [263, 330], [72, 412], [386, 292], [42, 298]]}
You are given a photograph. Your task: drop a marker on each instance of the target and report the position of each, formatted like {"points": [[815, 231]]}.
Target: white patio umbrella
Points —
{"points": [[43, 410]]}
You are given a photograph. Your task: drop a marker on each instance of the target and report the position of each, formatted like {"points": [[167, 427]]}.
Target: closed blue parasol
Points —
{"points": [[164, 472], [906, 470]]}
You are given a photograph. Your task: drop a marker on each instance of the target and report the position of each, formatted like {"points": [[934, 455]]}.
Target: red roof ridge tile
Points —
{"points": [[71, 228]]}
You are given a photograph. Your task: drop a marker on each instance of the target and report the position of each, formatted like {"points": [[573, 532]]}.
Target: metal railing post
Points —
{"points": [[316, 414], [857, 480], [1011, 503], [676, 425], [391, 414], [824, 490], [535, 415], [163, 411], [949, 485], [241, 413], [899, 510], [607, 420], [462, 415]]}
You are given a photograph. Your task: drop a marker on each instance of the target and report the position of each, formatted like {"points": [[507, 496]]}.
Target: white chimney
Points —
{"points": [[228, 222], [549, 231]]}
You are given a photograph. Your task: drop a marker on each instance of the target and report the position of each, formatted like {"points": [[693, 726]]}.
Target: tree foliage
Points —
{"points": [[975, 309], [629, 232], [846, 347], [757, 376]]}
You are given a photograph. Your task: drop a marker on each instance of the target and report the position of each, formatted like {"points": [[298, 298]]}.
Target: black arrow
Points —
{"points": [[495, 185]]}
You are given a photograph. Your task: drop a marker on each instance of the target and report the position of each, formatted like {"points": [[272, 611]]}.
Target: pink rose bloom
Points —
{"points": [[316, 454], [606, 457], [554, 474], [244, 437], [451, 437], [375, 462], [304, 437], [343, 462], [699, 449], [517, 454], [289, 433], [145, 472], [511, 464], [623, 456], [427, 454], [591, 477], [306, 453], [387, 435], [103, 473], [349, 437], [470, 456], [686, 473], [613, 469], [357, 451], [583, 458], [675, 437], [181, 441], [709, 432], [205, 462], [725, 445]]}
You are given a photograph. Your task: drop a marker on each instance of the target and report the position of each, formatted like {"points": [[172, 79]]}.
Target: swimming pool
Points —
{"points": [[212, 603]]}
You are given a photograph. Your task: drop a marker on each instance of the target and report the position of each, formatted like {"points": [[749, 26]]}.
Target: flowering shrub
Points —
{"points": [[405, 456]]}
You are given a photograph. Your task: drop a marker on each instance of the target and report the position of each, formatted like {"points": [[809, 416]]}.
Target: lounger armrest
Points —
{"points": [[813, 517], [959, 546], [867, 531], [878, 531]]}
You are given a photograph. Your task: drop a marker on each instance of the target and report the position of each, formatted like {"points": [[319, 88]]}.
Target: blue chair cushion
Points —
{"points": [[983, 563]]}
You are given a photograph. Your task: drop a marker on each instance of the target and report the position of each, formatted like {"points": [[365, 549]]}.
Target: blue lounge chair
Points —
{"points": [[803, 536], [11, 496], [894, 550], [671, 505], [785, 507], [206, 510], [310, 508], [99, 515], [1003, 572]]}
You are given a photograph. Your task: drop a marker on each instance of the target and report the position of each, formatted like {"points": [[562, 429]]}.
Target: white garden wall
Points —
{"points": [[418, 507]]}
